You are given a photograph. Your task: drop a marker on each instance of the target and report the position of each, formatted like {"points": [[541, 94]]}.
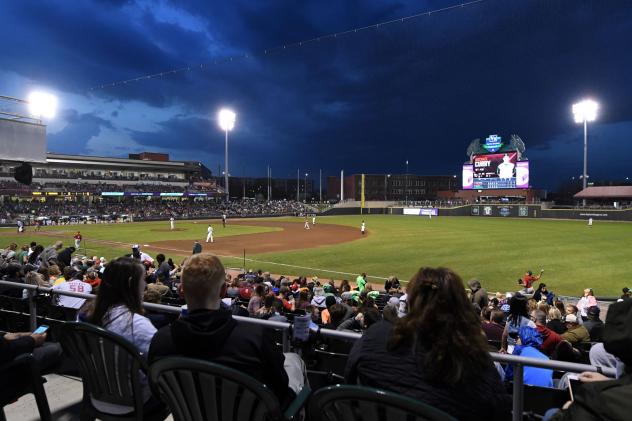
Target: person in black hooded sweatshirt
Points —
{"points": [[209, 332]]}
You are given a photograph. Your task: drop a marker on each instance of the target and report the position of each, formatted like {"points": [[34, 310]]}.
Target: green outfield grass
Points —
{"points": [[497, 251], [128, 233]]}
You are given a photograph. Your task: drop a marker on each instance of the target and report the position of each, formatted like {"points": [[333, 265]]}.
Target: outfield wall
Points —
{"points": [[500, 211]]}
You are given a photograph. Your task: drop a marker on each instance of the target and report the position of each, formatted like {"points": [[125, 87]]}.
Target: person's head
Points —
{"points": [[152, 294], [485, 313], [69, 272], [529, 273], [497, 316], [330, 300], [34, 278], [542, 287], [554, 314], [123, 283], [593, 313], [202, 280], [571, 309], [560, 306], [54, 271], [474, 284], [571, 321], [58, 245], [437, 303], [538, 317], [268, 301], [337, 313], [588, 292], [544, 307], [260, 290], [33, 244], [160, 258], [518, 308], [531, 305]]}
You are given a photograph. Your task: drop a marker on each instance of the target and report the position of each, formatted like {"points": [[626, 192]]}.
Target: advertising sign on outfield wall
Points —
{"points": [[421, 211]]}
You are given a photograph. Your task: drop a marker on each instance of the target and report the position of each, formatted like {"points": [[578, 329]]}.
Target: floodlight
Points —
{"points": [[226, 119], [585, 110], [42, 105]]}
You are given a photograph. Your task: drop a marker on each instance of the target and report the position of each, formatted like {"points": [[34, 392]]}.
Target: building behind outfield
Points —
{"points": [[392, 187]]}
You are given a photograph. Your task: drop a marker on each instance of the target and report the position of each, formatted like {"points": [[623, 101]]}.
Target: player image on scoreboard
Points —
{"points": [[498, 171]]}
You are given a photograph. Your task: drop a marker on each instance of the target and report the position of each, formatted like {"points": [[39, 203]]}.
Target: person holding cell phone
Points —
{"points": [[13, 344]]}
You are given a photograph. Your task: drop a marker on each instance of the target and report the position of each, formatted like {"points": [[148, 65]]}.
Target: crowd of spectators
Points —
{"points": [[143, 208], [429, 341]]}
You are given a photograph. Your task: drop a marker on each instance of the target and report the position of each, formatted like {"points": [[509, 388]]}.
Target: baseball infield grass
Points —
{"points": [[495, 250]]}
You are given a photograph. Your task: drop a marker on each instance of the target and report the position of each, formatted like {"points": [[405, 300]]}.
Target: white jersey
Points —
{"points": [[210, 230], [73, 286], [362, 227]]}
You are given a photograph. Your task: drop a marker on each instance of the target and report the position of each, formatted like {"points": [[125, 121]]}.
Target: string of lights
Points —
{"points": [[293, 45]]}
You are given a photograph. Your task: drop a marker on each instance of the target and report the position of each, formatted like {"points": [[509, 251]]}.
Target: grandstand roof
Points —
{"points": [[108, 161], [605, 192]]}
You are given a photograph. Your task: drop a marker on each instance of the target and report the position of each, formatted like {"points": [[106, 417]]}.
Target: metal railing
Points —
{"points": [[518, 362]]}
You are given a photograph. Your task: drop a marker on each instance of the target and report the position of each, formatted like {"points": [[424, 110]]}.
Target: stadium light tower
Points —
{"points": [[226, 120], [42, 105], [585, 111]]}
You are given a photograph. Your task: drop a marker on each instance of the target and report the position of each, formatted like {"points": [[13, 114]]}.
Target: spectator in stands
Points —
{"points": [[543, 294], [64, 256], [626, 294], [573, 310], [319, 298], [361, 282], [50, 253], [209, 332], [479, 294], [92, 278], [550, 338], [493, 325], [34, 256], [118, 308], [46, 354], [528, 346], [162, 273], [13, 273], [73, 285], [365, 318], [575, 333], [518, 316], [324, 315], [602, 398], [415, 357], [594, 325], [54, 274], [392, 283], [588, 300], [256, 301], [303, 300]]}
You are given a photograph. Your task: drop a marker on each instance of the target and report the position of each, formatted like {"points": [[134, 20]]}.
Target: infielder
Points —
{"points": [[306, 226], [209, 234], [363, 227], [313, 219], [590, 222], [172, 222], [224, 220]]}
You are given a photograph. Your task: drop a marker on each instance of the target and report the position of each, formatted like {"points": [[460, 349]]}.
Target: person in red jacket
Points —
{"points": [[550, 339]]}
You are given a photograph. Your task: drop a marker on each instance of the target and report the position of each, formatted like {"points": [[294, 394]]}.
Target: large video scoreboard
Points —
{"points": [[499, 170]]}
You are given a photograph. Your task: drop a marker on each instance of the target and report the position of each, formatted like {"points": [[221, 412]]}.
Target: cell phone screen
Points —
{"points": [[41, 329]]}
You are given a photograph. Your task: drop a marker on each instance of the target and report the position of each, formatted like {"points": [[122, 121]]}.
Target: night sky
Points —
{"points": [[420, 90]]}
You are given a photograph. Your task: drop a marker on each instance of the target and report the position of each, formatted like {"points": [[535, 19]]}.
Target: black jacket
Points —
{"points": [[215, 336], [65, 256], [370, 362]]}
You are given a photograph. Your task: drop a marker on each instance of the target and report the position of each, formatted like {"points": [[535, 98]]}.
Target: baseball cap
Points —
{"points": [[505, 308], [570, 318], [626, 290]]}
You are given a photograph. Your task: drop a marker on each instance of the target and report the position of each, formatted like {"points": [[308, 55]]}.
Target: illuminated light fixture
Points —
{"points": [[226, 120], [585, 111], [42, 105]]}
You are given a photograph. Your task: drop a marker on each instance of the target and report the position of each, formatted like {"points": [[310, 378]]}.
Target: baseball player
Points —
{"points": [[20, 227], [172, 222], [209, 234], [590, 222], [224, 220], [363, 227], [314, 219], [306, 226], [78, 239]]}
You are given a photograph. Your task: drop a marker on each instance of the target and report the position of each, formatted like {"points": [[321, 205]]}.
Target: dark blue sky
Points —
{"points": [[418, 90]]}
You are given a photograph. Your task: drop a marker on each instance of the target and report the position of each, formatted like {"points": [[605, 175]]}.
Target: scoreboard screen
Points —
{"points": [[496, 171]]}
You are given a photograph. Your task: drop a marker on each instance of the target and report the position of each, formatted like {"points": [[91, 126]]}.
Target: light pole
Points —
{"points": [[305, 187], [406, 187], [585, 111], [226, 119]]}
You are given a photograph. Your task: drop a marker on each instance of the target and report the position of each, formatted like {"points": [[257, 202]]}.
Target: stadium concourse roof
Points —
{"points": [[605, 192]]}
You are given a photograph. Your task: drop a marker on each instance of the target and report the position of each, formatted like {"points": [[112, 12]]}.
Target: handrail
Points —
{"points": [[518, 362]]}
